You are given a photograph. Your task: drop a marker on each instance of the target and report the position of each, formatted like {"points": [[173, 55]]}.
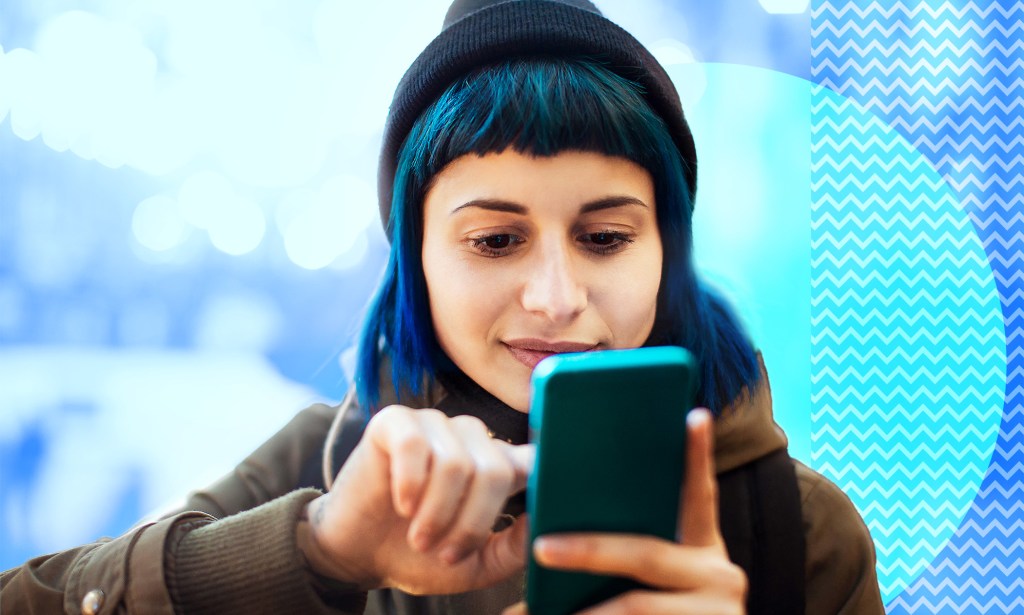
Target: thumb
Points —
{"points": [[504, 553], [698, 507]]}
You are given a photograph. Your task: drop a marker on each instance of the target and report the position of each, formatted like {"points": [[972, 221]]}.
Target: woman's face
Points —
{"points": [[526, 256]]}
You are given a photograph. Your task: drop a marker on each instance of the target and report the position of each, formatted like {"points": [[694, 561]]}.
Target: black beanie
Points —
{"points": [[481, 32]]}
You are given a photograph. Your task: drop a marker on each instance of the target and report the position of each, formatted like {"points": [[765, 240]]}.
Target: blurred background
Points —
{"points": [[189, 230]]}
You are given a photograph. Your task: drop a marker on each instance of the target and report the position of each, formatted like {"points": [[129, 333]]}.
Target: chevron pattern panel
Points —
{"points": [[918, 291]]}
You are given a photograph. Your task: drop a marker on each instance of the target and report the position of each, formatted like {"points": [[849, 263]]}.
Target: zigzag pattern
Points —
{"points": [[949, 81], [880, 12], [888, 241]]}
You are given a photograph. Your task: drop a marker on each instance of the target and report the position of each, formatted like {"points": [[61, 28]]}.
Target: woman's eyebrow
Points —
{"points": [[493, 205], [512, 207], [611, 201]]}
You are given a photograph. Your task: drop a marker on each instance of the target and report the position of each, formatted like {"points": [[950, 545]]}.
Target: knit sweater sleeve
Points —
{"points": [[243, 557], [188, 563], [248, 563]]}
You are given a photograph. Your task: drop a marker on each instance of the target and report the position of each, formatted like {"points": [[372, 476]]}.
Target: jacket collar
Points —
{"points": [[746, 429]]}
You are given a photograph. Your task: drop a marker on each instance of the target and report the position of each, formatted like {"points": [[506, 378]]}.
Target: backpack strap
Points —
{"points": [[762, 524]]}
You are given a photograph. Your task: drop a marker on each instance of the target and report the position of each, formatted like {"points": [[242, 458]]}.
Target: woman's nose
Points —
{"points": [[553, 287]]}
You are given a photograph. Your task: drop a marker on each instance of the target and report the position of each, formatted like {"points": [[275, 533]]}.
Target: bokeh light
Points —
{"points": [[158, 224], [200, 197], [320, 229], [785, 7], [236, 226]]}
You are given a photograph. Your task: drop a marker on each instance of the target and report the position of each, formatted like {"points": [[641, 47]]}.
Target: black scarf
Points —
{"points": [[467, 397]]}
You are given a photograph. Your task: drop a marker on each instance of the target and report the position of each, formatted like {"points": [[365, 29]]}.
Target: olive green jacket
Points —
{"points": [[232, 548]]}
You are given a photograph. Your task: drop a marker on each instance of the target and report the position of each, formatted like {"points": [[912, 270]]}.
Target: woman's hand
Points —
{"points": [[694, 576], [414, 504]]}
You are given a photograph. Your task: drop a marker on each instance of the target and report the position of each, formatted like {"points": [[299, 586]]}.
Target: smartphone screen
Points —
{"points": [[610, 429]]}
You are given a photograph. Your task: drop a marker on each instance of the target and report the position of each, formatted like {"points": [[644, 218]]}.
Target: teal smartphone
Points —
{"points": [[610, 430]]}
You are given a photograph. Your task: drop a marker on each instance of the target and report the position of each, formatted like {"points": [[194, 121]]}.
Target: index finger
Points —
{"points": [[698, 522], [522, 457]]}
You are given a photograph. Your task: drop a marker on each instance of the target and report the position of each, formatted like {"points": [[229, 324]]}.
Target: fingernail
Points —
{"points": [[549, 550], [697, 416]]}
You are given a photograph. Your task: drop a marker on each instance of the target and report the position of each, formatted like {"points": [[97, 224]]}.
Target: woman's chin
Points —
{"points": [[518, 398], [518, 401]]}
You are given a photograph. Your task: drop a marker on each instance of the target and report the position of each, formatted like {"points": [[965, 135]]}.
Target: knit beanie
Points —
{"points": [[477, 33]]}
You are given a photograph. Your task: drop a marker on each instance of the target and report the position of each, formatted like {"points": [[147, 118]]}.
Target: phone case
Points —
{"points": [[610, 429]]}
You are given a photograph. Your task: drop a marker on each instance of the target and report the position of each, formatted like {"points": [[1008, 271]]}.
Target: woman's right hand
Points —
{"points": [[414, 504]]}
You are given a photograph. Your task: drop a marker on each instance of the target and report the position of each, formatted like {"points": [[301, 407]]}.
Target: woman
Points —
{"points": [[537, 181]]}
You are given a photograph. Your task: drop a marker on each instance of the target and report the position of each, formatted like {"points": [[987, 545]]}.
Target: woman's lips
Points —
{"points": [[530, 352]]}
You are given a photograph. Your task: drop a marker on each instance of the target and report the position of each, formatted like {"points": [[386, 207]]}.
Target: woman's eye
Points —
{"points": [[498, 242], [496, 245], [606, 241]]}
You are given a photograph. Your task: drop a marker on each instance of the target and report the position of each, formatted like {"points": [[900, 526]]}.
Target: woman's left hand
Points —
{"points": [[694, 576]]}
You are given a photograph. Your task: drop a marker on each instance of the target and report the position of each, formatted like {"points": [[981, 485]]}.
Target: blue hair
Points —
{"points": [[542, 106]]}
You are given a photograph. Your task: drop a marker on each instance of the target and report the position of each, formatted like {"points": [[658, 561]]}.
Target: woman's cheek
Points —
{"points": [[628, 301], [466, 299]]}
